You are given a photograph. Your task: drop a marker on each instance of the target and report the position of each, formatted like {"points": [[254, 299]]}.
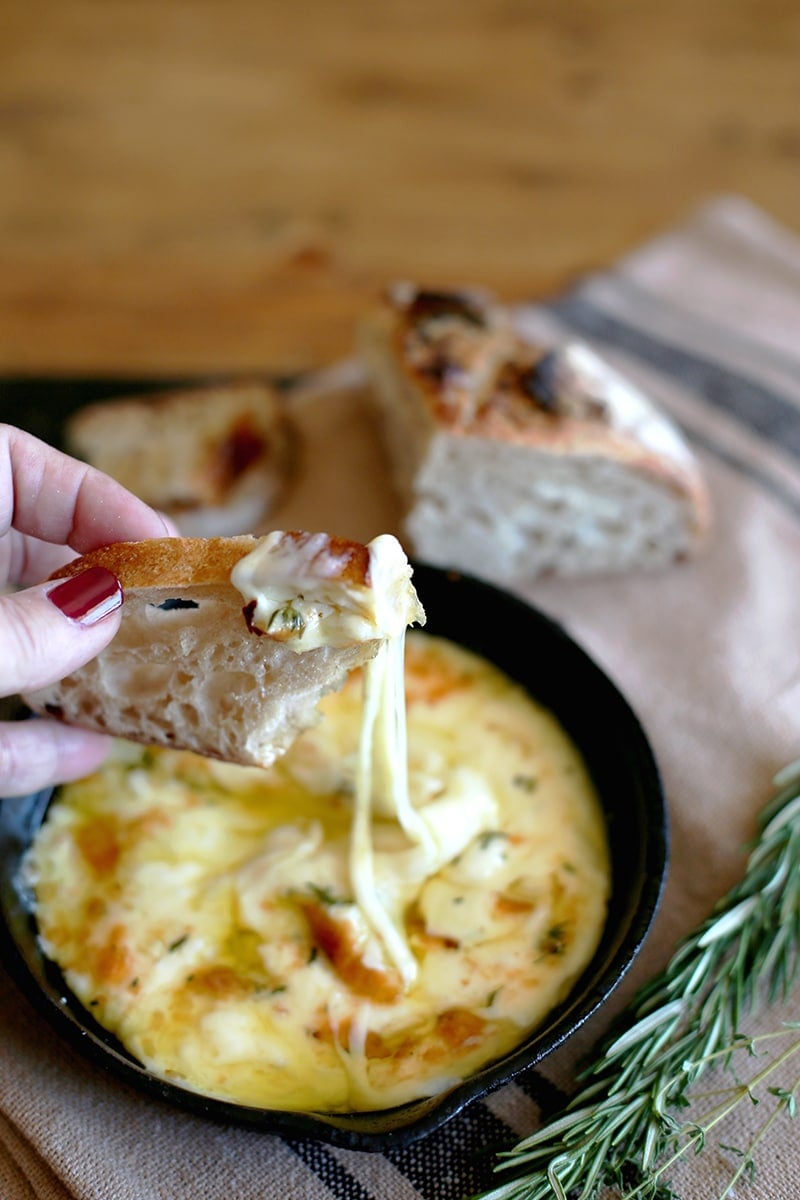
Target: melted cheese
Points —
{"points": [[213, 918]]}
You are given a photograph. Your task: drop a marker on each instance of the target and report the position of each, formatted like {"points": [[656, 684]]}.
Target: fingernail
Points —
{"points": [[88, 597]]}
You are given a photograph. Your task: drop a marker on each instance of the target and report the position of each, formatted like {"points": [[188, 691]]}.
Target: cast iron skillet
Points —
{"points": [[539, 654]]}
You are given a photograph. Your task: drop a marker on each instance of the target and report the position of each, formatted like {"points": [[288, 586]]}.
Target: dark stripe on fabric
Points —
{"points": [[761, 409], [766, 482], [549, 1098], [319, 1159], [457, 1160]]}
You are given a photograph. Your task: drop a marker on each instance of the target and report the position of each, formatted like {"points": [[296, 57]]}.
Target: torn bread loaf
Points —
{"points": [[226, 645], [514, 461], [215, 459]]}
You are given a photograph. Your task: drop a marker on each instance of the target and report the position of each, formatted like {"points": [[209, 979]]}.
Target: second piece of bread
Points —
{"points": [[215, 459]]}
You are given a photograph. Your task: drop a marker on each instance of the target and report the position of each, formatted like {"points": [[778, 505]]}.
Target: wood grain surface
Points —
{"points": [[215, 185]]}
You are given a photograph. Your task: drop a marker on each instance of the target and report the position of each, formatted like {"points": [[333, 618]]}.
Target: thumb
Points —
{"points": [[46, 632], [37, 753]]}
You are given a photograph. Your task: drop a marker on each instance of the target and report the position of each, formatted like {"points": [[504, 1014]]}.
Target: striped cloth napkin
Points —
{"points": [[707, 318]]}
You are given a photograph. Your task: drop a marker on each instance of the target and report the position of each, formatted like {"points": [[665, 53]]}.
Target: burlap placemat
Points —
{"points": [[708, 654]]}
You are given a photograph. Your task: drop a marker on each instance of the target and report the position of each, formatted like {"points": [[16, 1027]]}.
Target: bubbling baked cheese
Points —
{"points": [[209, 915]]}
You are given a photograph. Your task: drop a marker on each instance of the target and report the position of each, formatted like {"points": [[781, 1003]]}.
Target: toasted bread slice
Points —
{"points": [[198, 664], [513, 460], [215, 459]]}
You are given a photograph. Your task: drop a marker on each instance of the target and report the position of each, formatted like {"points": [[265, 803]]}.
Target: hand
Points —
{"points": [[52, 508]]}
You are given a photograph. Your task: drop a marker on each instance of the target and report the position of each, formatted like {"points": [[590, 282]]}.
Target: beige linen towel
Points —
{"points": [[708, 654]]}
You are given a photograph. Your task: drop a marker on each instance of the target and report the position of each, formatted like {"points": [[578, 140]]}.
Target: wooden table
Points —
{"points": [[208, 185]]}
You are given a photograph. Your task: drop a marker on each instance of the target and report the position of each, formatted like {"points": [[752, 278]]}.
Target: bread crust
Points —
{"points": [[165, 562], [504, 408], [191, 562]]}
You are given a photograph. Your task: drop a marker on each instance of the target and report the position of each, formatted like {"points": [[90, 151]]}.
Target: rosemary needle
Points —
{"points": [[622, 1129]]}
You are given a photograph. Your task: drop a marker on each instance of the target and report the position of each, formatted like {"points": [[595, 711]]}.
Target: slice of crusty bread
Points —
{"points": [[214, 458], [514, 461], [187, 668]]}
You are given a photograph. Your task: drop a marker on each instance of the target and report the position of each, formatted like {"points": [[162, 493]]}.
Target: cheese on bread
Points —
{"points": [[190, 668], [309, 590]]}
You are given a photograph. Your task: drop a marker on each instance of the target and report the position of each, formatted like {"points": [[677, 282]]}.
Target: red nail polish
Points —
{"points": [[88, 597]]}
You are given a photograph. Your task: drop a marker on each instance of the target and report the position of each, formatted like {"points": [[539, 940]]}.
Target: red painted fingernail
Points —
{"points": [[88, 597]]}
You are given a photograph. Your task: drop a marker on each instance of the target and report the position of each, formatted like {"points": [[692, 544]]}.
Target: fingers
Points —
{"points": [[25, 560], [50, 507], [37, 753], [53, 497], [47, 632]]}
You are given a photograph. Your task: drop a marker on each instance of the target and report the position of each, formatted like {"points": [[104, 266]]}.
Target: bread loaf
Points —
{"points": [[191, 667], [514, 461], [215, 459]]}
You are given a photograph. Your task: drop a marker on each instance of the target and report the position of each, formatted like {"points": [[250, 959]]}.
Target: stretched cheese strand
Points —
{"points": [[382, 771], [384, 688]]}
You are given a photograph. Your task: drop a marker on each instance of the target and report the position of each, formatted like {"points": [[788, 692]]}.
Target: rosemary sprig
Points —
{"points": [[622, 1128]]}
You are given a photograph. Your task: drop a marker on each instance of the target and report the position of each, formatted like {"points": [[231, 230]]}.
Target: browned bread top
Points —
{"points": [[451, 342], [167, 562], [185, 562], [478, 378]]}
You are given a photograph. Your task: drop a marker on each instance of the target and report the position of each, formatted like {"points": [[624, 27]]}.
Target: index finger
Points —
{"points": [[51, 496]]}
